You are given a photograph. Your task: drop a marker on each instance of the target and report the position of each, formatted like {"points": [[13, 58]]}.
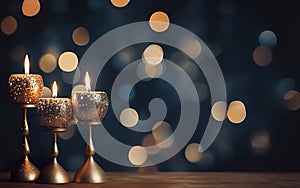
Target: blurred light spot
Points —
{"points": [[284, 85], [9, 25], [46, 92], [129, 117], [192, 153], [31, 7], [79, 88], [159, 21], [68, 61], [218, 111], [149, 142], [137, 155], [292, 100], [191, 47], [17, 53], [81, 36], [262, 56], [162, 132], [260, 142], [148, 70], [267, 38], [153, 54], [71, 77], [68, 133], [236, 112], [48, 63], [120, 3]]}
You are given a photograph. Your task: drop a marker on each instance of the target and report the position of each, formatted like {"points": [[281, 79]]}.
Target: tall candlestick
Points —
{"points": [[54, 115], [25, 90], [89, 109]]}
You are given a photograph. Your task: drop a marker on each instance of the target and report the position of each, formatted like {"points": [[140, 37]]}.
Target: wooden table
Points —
{"points": [[178, 179]]}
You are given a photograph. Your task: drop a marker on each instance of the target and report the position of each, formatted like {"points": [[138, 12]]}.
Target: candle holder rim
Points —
{"points": [[66, 98], [89, 123], [31, 74], [28, 105], [89, 92]]}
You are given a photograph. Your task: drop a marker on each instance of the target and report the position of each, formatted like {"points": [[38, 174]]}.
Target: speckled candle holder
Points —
{"points": [[54, 113], [89, 109], [89, 106], [25, 88]]}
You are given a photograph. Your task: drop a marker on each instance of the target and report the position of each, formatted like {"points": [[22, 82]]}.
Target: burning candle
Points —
{"points": [[54, 113], [89, 106], [26, 88]]}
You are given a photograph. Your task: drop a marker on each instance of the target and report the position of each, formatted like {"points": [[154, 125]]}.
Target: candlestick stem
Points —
{"points": [[54, 172], [26, 172], [90, 172]]}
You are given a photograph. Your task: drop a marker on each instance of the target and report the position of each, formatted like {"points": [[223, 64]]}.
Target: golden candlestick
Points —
{"points": [[89, 109], [25, 89], [54, 115]]}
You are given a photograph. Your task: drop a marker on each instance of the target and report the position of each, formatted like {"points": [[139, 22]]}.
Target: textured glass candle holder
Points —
{"points": [[54, 114], [89, 109], [25, 90]]}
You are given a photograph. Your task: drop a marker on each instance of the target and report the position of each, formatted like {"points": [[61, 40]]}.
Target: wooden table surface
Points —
{"points": [[178, 179]]}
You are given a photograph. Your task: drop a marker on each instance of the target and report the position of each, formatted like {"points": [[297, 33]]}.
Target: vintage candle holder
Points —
{"points": [[25, 90], [54, 115], [89, 109]]}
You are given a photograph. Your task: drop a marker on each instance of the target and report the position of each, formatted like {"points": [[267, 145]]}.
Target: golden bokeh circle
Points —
{"points": [[80, 36], [31, 7], [9, 25], [68, 61], [119, 3], [159, 21], [236, 112]]}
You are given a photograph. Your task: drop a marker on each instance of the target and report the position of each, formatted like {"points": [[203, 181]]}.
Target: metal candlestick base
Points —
{"points": [[54, 172], [26, 172], [90, 172]]}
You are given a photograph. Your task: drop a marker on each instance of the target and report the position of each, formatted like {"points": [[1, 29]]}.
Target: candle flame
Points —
{"points": [[87, 82], [26, 64], [54, 89]]}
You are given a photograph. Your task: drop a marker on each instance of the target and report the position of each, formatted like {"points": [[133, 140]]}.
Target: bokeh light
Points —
{"points": [[191, 47], [129, 117], [46, 92], [80, 36], [137, 155], [119, 3], [68, 61], [292, 100], [262, 56], [48, 63], [79, 88], [236, 112], [159, 21], [9, 25], [192, 153], [218, 111], [149, 140], [162, 132], [267, 38], [31, 7], [260, 142], [153, 54]]}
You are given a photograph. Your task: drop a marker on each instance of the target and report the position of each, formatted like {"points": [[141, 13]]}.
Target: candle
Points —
{"points": [[54, 113], [89, 106], [26, 88]]}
